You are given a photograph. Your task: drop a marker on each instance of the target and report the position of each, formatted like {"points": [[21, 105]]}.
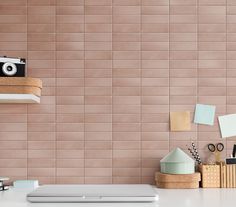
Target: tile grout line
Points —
{"points": [[141, 94], [55, 57], [112, 91], [169, 73], [226, 62], [84, 93], [27, 144], [197, 91]]}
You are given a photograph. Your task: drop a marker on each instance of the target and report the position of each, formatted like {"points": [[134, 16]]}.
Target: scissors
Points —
{"points": [[217, 149]]}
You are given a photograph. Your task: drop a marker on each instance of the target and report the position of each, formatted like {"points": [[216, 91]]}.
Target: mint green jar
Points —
{"points": [[177, 162]]}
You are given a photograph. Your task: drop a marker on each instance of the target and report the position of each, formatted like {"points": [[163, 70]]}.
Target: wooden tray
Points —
{"points": [[190, 185], [177, 181]]}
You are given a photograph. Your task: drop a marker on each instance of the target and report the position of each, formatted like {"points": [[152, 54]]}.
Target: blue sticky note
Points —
{"points": [[227, 125], [204, 114]]}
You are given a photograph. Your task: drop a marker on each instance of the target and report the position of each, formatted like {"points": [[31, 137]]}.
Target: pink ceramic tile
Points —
{"points": [[126, 172], [41, 163], [180, 10], [126, 136], [95, 118], [70, 172], [70, 180], [126, 163], [99, 172], [98, 163], [98, 180], [98, 10], [126, 180], [126, 118]]}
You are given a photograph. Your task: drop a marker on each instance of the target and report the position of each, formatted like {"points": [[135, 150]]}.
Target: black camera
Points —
{"points": [[12, 67]]}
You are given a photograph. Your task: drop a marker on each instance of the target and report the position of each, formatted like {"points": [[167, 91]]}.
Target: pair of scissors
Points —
{"points": [[217, 149]]}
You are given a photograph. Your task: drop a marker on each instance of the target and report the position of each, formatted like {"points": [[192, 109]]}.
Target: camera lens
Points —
{"points": [[9, 69]]}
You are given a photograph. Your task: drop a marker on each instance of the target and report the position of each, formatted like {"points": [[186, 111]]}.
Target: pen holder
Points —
{"points": [[210, 176]]}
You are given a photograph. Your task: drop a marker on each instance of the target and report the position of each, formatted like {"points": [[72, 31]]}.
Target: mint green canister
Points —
{"points": [[177, 162]]}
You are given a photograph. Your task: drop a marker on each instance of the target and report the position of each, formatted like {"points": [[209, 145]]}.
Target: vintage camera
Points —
{"points": [[12, 67]]}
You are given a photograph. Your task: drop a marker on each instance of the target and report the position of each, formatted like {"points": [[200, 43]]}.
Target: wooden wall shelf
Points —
{"points": [[20, 90]]}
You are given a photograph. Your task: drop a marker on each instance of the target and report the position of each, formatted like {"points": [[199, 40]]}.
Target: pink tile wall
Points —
{"points": [[112, 71]]}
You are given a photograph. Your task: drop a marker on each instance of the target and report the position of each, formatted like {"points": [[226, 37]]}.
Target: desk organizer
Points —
{"points": [[218, 176], [183, 181], [210, 176], [228, 175]]}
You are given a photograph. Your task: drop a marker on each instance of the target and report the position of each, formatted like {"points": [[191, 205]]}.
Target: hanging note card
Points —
{"points": [[227, 125], [204, 114], [180, 121]]}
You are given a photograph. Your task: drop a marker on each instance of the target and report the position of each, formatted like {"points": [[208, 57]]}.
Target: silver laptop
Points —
{"points": [[93, 193]]}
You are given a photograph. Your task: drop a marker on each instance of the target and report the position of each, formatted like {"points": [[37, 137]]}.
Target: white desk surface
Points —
{"points": [[167, 198]]}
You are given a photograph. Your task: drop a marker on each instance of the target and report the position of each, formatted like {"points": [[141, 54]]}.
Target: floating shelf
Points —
{"points": [[20, 90]]}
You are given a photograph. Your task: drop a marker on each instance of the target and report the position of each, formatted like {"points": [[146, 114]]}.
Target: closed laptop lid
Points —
{"points": [[139, 190], [92, 193]]}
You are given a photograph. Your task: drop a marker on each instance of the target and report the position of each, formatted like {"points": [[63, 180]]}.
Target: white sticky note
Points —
{"points": [[227, 125]]}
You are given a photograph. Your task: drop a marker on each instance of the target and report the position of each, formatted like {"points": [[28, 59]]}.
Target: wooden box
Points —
{"points": [[181, 181], [228, 175], [210, 176]]}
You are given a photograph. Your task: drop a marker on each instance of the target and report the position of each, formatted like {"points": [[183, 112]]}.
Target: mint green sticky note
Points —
{"points": [[204, 114], [227, 125]]}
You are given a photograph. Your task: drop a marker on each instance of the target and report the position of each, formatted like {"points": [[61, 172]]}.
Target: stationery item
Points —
{"points": [[180, 121], [194, 153], [232, 159], [216, 149], [204, 114], [177, 162], [177, 181], [234, 151], [26, 184], [3, 187], [227, 125]]}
